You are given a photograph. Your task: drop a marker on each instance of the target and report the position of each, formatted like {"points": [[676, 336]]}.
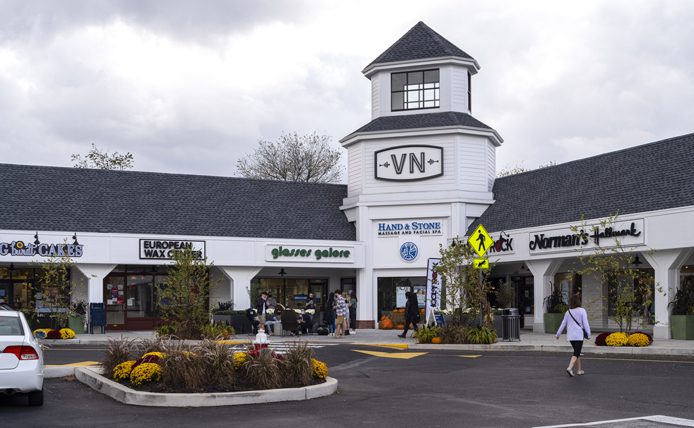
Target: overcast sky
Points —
{"points": [[191, 87]]}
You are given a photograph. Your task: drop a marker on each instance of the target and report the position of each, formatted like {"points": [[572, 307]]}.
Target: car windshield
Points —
{"points": [[10, 326]]}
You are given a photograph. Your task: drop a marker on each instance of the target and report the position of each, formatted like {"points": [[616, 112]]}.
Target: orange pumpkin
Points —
{"points": [[401, 327], [435, 340], [386, 324], [402, 311], [421, 310]]}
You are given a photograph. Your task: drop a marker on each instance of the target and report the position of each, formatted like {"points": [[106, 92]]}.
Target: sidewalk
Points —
{"points": [[534, 342]]}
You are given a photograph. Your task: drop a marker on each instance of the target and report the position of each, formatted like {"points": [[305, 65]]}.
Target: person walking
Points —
{"points": [[261, 308], [411, 313], [577, 329], [329, 314], [353, 313], [340, 313]]}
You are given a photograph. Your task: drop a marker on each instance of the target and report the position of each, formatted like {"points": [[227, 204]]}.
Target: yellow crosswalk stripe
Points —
{"points": [[469, 356], [83, 363], [398, 355]]}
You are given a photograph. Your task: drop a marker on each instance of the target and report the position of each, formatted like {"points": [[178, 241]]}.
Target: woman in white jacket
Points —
{"points": [[575, 321]]}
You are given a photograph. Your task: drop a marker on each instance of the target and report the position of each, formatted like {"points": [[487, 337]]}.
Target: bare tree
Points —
{"points": [[307, 158], [520, 168], [97, 159]]}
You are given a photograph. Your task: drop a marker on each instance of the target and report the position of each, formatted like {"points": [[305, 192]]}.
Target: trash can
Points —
{"points": [[510, 325], [97, 317]]}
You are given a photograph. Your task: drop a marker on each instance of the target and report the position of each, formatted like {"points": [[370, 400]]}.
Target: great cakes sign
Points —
{"points": [[628, 233], [409, 163]]}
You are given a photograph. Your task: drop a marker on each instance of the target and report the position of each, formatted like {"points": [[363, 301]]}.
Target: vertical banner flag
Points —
{"points": [[433, 290]]}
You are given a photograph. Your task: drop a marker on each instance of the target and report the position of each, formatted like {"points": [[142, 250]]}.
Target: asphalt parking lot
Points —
{"points": [[382, 386]]}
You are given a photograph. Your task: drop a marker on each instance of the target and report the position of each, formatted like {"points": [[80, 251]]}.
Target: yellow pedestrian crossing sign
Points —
{"points": [[481, 263], [480, 241]]}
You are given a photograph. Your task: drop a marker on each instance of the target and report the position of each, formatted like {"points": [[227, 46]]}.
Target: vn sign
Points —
{"points": [[409, 163]]}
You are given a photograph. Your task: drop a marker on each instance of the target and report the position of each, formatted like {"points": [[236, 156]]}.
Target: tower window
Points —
{"points": [[414, 90]]}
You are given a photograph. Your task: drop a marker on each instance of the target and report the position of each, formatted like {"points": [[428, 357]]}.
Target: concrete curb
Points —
{"points": [[52, 372], [152, 399], [599, 350]]}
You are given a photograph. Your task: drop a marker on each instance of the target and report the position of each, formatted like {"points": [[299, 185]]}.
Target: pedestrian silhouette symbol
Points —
{"points": [[481, 238]]}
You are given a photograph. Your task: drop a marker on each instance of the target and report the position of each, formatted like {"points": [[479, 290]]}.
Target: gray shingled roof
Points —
{"points": [[650, 177], [90, 200], [420, 42], [426, 120]]}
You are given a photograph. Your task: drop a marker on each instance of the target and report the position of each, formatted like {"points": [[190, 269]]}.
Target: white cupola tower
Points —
{"points": [[422, 170]]}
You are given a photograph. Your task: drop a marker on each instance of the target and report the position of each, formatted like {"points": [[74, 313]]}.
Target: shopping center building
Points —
{"points": [[421, 173]]}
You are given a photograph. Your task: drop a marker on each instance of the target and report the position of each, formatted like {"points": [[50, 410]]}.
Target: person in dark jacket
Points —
{"points": [[411, 313], [261, 308], [329, 313]]}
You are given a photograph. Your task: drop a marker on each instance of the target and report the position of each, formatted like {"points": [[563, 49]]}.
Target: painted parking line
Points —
{"points": [[469, 356], [384, 345], [658, 421], [396, 355], [633, 359]]}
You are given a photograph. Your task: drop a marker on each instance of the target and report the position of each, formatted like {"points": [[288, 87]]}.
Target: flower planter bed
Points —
{"points": [[130, 396]]}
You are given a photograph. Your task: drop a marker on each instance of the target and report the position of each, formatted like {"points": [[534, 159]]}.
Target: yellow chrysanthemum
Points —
{"points": [[122, 370], [617, 339], [320, 370], [158, 354], [66, 333], [147, 372], [239, 359], [638, 339]]}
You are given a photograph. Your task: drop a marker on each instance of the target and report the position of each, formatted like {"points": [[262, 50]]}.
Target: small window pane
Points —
{"points": [[398, 81], [415, 78], [431, 76], [397, 101], [429, 94], [412, 105], [436, 103], [429, 104], [413, 96], [436, 94], [429, 86]]}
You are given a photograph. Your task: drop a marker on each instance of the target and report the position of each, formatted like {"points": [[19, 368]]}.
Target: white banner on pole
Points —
{"points": [[433, 290]]}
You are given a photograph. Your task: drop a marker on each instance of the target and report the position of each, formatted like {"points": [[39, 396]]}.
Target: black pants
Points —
{"points": [[578, 345], [407, 326]]}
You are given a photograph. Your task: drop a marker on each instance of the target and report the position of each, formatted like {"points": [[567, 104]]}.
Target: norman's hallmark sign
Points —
{"points": [[408, 163], [155, 249]]}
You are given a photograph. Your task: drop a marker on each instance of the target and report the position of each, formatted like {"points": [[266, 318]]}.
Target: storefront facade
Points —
{"points": [[421, 173]]}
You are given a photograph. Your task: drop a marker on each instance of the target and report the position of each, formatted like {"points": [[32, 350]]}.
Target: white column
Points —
{"points": [[667, 265], [95, 275], [240, 284], [367, 289], [543, 273]]}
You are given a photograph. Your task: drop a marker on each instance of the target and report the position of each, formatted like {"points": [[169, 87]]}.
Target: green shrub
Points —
{"points": [[482, 336], [425, 334]]}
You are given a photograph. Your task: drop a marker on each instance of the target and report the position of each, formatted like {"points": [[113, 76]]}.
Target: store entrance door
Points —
{"points": [[114, 297]]}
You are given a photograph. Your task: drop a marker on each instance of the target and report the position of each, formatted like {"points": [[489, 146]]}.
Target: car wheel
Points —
{"points": [[36, 398]]}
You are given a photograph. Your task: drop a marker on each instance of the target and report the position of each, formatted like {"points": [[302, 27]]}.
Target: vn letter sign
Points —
{"points": [[409, 163]]}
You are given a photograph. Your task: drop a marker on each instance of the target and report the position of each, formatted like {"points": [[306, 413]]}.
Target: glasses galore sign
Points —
{"points": [[300, 253]]}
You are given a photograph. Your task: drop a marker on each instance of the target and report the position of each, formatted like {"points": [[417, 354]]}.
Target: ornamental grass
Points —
{"points": [[454, 334], [296, 368], [262, 370], [118, 352]]}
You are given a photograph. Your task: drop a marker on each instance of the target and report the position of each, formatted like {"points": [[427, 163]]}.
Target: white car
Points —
{"points": [[21, 359]]}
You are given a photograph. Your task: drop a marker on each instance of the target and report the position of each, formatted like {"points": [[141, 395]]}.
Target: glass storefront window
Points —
{"points": [[114, 294], [140, 298], [290, 292], [391, 292]]}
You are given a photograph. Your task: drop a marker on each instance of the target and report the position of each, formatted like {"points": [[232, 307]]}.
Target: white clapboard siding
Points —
{"points": [[491, 160], [375, 97], [473, 164], [459, 89], [355, 169]]}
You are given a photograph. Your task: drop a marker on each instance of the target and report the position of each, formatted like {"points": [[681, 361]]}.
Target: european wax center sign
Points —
{"points": [[409, 163]]}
